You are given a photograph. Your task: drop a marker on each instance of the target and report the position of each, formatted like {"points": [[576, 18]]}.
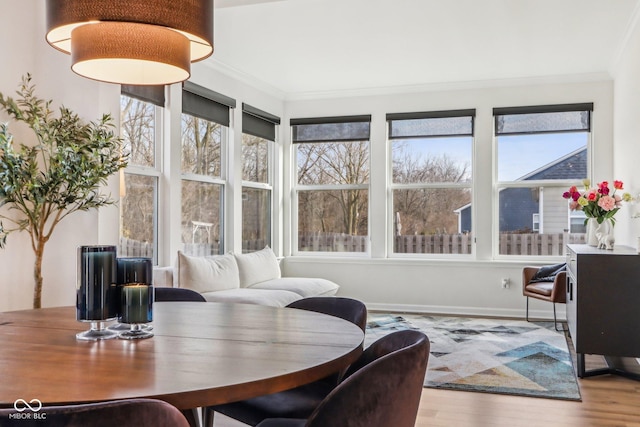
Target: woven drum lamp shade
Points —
{"points": [[132, 41], [121, 52]]}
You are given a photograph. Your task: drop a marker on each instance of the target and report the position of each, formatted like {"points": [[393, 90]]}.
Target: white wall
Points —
{"points": [[469, 286], [626, 149], [25, 50]]}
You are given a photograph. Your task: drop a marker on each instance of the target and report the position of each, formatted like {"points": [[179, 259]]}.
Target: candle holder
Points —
{"points": [[136, 310], [131, 270], [96, 291]]}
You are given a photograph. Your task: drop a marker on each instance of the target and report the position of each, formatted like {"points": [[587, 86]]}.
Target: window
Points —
{"points": [[535, 221], [205, 125], [576, 222], [431, 171], [332, 183], [258, 137], [140, 128], [540, 151]]}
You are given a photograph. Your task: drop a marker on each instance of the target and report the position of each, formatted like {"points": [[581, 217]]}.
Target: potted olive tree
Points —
{"points": [[61, 173]]}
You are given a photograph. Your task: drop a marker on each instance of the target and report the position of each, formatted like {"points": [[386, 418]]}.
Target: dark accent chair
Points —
{"points": [[382, 389], [121, 413], [177, 294], [552, 291], [348, 309], [301, 401]]}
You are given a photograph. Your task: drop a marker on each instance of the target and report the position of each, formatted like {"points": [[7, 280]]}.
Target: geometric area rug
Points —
{"points": [[489, 355]]}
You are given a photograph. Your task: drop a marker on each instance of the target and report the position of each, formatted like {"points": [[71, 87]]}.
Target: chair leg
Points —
{"points": [[207, 417], [555, 322], [527, 312]]}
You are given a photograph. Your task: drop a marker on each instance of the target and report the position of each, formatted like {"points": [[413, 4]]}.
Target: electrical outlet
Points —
{"points": [[505, 283]]}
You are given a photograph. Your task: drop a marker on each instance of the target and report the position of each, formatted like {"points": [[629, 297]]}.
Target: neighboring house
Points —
{"points": [[536, 209]]}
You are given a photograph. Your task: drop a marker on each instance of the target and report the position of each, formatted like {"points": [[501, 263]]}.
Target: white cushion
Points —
{"points": [[274, 298], [303, 286], [206, 274], [163, 276], [256, 267]]}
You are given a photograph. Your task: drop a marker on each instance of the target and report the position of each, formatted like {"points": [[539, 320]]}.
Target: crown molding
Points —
{"points": [[243, 77], [280, 94], [452, 86], [618, 54]]}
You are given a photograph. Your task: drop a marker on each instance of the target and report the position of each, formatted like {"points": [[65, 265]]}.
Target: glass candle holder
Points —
{"points": [[136, 309], [131, 270], [96, 290]]}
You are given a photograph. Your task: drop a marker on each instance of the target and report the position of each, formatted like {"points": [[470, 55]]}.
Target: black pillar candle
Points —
{"points": [[96, 291], [137, 303], [135, 270]]}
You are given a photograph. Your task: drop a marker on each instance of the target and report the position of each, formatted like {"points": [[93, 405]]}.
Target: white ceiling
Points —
{"points": [[313, 46]]}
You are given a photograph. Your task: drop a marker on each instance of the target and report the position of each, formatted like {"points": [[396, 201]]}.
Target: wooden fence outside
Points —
{"points": [[136, 248], [510, 244]]}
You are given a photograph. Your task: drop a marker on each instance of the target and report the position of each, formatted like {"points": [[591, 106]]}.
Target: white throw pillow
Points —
{"points": [[304, 286], [256, 267], [207, 274]]}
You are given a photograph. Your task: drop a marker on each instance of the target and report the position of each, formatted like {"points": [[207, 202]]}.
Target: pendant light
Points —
{"points": [[134, 42]]}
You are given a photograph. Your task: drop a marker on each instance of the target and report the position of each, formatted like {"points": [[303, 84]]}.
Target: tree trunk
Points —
{"points": [[37, 274]]}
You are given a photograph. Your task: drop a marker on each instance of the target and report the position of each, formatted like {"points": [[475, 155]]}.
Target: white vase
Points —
{"points": [[604, 234], [592, 226]]}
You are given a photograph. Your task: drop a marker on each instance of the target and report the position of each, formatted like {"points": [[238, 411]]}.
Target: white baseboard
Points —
{"points": [[465, 311]]}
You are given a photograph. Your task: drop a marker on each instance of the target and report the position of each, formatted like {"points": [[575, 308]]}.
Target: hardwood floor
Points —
{"points": [[607, 401]]}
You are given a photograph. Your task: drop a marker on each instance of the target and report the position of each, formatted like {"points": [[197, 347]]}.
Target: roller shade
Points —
{"points": [[206, 104], [431, 124], [259, 123], [543, 119], [331, 129]]}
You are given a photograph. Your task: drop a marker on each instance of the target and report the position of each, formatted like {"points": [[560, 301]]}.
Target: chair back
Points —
{"points": [[121, 413], [384, 387], [348, 309], [177, 294]]}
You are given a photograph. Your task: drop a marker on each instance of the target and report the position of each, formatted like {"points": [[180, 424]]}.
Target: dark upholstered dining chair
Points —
{"points": [[348, 309], [177, 294], [537, 284], [382, 389], [121, 413], [301, 401]]}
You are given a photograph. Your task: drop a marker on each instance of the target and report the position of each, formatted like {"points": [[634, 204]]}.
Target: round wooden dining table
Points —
{"points": [[201, 354]]}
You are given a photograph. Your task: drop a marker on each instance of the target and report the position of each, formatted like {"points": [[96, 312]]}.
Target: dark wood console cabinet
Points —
{"points": [[603, 303]]}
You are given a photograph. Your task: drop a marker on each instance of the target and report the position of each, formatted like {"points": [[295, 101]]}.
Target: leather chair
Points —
{"points": [[121, 413], [382, 389], [301, 401], [177, 294], [552, 291]]}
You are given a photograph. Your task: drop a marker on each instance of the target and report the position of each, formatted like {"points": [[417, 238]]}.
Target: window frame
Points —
{"points": [[269, 134], [541, 184], [296, 188], [391, 186], [204, 97], [151, 95]]}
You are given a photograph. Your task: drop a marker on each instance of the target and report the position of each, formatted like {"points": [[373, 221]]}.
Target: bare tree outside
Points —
{"points": [[255, 158], [201, 195], [339, 163], [137, 128], [428, 210], [201, 146], [139, 194], [256, 193]]}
